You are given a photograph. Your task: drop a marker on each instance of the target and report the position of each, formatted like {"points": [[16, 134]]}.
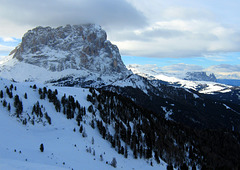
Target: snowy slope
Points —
{"points": [[12, 69], [155, 73], [63, 148]]}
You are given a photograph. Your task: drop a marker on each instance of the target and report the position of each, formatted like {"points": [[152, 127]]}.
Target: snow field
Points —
{"points": [[63, 148]]}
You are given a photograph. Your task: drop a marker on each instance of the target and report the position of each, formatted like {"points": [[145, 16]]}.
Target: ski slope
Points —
{"points": [[63, 148]]}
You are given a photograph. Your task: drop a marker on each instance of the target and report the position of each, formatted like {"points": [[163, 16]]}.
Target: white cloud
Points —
{"points": [[156, 28], [225, 71], [179, 38], [4, 48], [181, 67], [225, 68], [181, 29], [218, 58], [9, 39], [117, 14]]}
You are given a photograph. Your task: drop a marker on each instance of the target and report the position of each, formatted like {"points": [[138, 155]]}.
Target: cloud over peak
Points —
{"points": [[156, 28], [115, 14]]}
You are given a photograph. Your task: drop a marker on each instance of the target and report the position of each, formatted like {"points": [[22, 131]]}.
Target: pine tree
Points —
{"points": [[169, 167], [156, 157], [114, 162], [1, 94], [9, 107], [135, 152], [48, 118], [84, 134], [81, 129], [34, 86], [10, 95], [101, 157], [18, 105], [92, 124], [25, 95], [41, 148], [4, 103], [125, 151], [11, 87], [90, 108]]}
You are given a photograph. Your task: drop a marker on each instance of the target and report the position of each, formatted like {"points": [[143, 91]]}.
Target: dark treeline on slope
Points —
{"points": [[202, 112], [150, 135]]}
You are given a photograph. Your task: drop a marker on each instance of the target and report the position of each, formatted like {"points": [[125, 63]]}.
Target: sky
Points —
{"points": [[176, 33]]}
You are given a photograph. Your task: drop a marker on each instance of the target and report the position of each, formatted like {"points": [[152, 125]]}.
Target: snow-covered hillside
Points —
{"points": [[187, 80], [64, 146]]}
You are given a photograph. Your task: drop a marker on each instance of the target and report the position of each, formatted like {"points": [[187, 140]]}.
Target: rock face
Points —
{"points": [[70, 47], [200, 76]]}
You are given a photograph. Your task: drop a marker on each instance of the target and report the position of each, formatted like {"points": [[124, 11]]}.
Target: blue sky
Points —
{"points": [[204, 33], [205, 61]]}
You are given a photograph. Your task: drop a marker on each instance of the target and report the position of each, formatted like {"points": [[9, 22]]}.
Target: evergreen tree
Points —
{"points": [[84, 134], [92, 124], [48, 118], [194, 167], [184, 166], [169, 167], [41, 148], [125, 151], [101, 157], [9, 107], [4, 103], [114, 162], [135, 152], [34, 86], [24, 122], [55, 92], [90, 108], [1, 94], [18, 105], [25, 95], [11, 87], [81, 129], [9, 93], [156, 157]]}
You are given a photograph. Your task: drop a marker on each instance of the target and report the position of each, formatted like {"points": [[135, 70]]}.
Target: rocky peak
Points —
{"points": [[200, 76], [70, 47]]}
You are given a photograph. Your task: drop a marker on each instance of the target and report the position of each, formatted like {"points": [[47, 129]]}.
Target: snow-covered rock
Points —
{"points": [[200, 76], [74, 55], [70, 47]]}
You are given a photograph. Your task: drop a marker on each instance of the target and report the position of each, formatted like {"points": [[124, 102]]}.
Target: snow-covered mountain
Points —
{"points": [[69, 84], [71, 52], [200, 76], [198, 81], [152, 70], [70, 47]]}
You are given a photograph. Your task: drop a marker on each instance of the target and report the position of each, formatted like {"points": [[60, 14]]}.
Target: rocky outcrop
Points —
{"points": [[200, 76], [70, 47]]}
